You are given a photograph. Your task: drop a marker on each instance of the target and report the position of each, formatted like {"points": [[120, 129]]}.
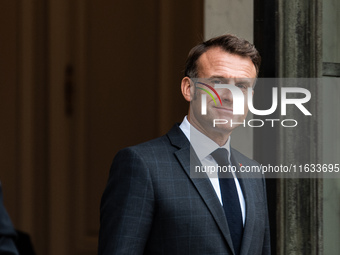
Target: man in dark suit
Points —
{"points": [[153, 203], [7, 231]]}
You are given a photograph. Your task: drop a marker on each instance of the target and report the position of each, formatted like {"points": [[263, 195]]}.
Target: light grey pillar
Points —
{"points": [[299, 211], [331, 136]]}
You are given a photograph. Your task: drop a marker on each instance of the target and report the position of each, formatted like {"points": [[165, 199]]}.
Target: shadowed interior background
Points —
{"points": [[79, 81]]}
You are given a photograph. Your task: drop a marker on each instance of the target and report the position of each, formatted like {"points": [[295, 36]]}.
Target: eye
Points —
{"points": [[242, 86], [216, 81]]}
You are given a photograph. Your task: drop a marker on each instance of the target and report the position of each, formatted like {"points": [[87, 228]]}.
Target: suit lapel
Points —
{"points": [[187, 159], [247, 190]]}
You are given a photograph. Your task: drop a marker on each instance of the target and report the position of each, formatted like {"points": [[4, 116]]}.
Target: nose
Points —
{"points": [[226, 96]]}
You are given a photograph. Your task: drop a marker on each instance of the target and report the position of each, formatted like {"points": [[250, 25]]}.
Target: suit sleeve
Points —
{"points": [[127, 206], [7, 231]]}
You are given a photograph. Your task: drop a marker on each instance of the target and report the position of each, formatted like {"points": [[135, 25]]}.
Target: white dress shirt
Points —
{"points": [[203, 147]]}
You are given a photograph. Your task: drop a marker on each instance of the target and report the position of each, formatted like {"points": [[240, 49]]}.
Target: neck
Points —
{"points": [[219, 135]]}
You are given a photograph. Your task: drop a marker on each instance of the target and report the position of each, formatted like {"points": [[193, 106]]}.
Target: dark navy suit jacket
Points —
{"points": [[7, 231], [152, 206]]}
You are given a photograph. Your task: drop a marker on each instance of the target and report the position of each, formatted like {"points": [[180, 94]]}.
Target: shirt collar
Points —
{"points": [[202, 144]]}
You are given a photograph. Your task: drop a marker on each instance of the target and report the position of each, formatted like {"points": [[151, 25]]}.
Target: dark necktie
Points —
{"points": [[230, 199]]}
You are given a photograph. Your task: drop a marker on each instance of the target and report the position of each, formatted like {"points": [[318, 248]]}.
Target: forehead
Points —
{"points": [[217, 62]]}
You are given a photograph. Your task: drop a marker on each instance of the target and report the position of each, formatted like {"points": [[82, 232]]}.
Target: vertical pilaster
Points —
{"points": [[299, 210]]}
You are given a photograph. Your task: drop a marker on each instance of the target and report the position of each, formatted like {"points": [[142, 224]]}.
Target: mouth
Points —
{"points": [[224, 109]]}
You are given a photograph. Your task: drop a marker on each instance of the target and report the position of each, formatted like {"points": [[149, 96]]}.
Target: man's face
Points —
{"points": [[219, 67]]}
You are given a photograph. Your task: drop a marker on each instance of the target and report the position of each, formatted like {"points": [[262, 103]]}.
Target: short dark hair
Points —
{"points": [[229, 43]]}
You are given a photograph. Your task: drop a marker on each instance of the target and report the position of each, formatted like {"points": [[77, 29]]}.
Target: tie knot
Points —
{"points": [[221, 156]]}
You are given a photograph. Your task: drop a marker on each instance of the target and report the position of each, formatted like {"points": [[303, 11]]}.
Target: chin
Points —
{"points": [[223, 128]]}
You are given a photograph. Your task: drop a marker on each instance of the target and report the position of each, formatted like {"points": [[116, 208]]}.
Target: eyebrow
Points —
{"points": [[248, 81], [237, 80], [217, 76], [225, 80], [244, 80]]}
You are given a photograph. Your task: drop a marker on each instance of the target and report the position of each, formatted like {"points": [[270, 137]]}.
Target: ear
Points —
{"points": [[186, 88]]}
